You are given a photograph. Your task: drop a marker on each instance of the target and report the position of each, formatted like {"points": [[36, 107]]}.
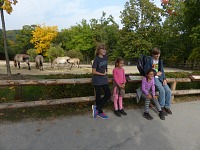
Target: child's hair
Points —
{"points": [[99, 46], [155, 51], [148, 71], [118, 60]]}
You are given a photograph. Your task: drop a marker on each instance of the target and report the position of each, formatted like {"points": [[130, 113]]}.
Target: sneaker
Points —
{"points": [[164, 111], [168, 111], [117, 113], [123, 112], [94, 111], [102, 115], [161, 115], [147, 116]]}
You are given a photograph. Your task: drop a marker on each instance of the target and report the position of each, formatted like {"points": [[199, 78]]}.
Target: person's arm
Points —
{"points": [[94, 67], [143, 86], [124, 77], [148, 64], [162, 68], [163, 72], [98, 73], [115, 77]]}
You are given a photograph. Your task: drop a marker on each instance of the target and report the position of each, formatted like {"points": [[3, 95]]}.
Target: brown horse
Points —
{"points": [[39, 59], [74, 61], [21, 58]]}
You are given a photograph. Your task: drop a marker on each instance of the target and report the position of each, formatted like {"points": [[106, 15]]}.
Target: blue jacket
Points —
{"points": [[148, 65]]}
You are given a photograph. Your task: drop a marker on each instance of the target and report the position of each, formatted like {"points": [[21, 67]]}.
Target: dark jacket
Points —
{"points": [[148, 65]]}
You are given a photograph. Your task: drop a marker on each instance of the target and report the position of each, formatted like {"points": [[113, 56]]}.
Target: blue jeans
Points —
{"points": [[164, 94]]}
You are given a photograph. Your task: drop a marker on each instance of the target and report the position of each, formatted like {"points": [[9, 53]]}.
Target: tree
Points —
{"points": [[106, 30], [6, 5], [74, 54], [141, 28], [32, 54], [54, 51], [23, 39], [42, 38], [192, 27], [173, 40]]}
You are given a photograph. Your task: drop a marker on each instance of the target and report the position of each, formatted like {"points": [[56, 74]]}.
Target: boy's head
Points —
{"points": [[155, 53]]}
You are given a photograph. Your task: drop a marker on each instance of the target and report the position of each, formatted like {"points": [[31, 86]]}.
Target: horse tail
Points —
{"points": [[41, 63]]}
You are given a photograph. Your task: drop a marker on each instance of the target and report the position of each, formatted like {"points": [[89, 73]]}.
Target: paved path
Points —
{"points": [[179, 131]]}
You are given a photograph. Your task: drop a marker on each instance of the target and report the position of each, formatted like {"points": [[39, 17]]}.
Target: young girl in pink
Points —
{"points": [[148, 93], [119, 87]]}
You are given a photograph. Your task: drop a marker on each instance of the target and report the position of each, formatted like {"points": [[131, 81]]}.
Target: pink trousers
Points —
{"points": [[118, 100]]}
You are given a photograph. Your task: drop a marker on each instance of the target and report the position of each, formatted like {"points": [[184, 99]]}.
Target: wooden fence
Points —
{"points": [[134, 79]]}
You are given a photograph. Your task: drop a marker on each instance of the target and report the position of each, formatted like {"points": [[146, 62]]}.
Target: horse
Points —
{"points": [[60, 60], [21, 58], [91, 62], [39, 59], [74, 61]]}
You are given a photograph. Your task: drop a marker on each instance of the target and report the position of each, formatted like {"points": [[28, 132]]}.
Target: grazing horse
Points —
{"points": [[60, 60], [74, 61], [21, 58], [39, 59]]}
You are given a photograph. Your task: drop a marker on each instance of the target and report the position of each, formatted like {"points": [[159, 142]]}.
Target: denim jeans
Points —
{"points": [[164, 94]]}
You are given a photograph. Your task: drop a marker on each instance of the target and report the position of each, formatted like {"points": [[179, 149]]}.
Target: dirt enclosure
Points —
{"points": [[84, 69]]}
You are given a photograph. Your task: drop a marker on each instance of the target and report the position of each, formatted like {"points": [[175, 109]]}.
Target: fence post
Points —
{"points": [[173, 88]]}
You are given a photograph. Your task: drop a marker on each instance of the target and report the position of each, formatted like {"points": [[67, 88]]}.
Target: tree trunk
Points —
{"points": [[5, 43]]}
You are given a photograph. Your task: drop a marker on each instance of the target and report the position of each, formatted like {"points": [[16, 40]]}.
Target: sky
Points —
{"points": [[62, 13]]}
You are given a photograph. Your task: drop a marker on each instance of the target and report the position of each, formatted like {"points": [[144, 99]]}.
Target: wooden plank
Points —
{"points": [[78, 99], [186, 92], [74, 81]]}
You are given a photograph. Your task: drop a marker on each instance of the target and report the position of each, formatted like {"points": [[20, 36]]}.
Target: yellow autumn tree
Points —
{"points": [[7, 5], [43, 37]]}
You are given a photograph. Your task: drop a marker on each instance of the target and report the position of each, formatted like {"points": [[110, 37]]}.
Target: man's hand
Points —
{"points": [[165, 82], [159, 73]]}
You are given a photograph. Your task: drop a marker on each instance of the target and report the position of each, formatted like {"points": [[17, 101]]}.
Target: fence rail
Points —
{"points": [[133, 79]]}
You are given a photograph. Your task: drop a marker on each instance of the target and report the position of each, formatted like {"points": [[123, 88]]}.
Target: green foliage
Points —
{"points": [[74, 54], [23, 39], [141, 26], [54, 52], [177, 74], [32, 54], [177, 35]]}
